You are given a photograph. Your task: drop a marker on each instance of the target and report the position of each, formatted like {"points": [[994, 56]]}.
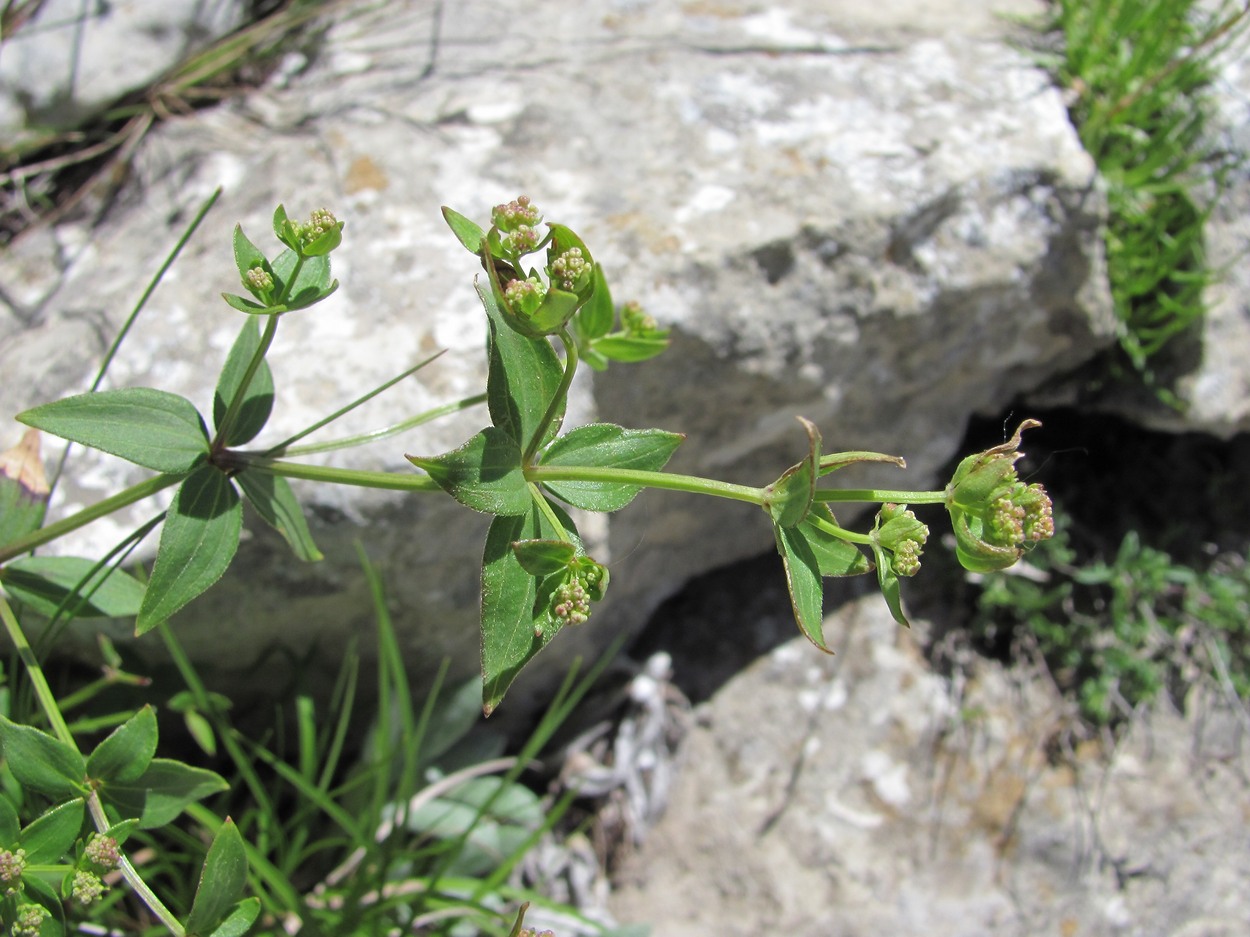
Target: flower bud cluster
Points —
{"points": [[572, 603], [87, 887], [321, 222], [12, 865], [525, 296], [102, 851], [30, 918], [994, 514], [517, 221], [571, 270], [527, 932], [899, 531], [636, 321], [258, 281]]}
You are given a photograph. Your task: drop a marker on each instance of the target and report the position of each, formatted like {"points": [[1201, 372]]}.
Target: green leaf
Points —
{"points": [[284, 228], [258, 403], [49, 583], [149, 427], [606, 445], [240, 919], [42, 763], [128, 750], [543, 557], [835, 556], [789, 498], [512, 634], [887, 579], [9, 825], [553, 313], [199, 540], [484, 474], [467, 232], [246, 255], [243, 304], [221, 881], [275, 502], [312, 281], [49, 837], [836, 460], [524, 375], [626, 348], [804, 582], [23, 489], [595, 318], [162, 792]]}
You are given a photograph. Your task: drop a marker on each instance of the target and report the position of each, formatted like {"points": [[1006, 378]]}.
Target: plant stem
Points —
{"points": [[47, 702], [391, 481], [840, 532], [240, 395], [645, 479], [374, 435], [37, 538], [545, 507], [570, 366], [880, 495]]}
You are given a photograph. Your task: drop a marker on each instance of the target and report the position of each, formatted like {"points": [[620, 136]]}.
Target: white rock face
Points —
{"points": [[882, 223], [72, 58]]}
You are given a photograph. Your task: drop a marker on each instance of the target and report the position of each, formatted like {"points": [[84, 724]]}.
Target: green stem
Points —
{"points": [[561, 395], [391, 481], [880, 495], [47, 702], [38, 538], [840, 532], [240, 395], [285, 449], [545, 506], [646, 479]]}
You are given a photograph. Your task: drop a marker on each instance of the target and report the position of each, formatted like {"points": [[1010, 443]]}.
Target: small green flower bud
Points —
{"points": [[898, 530], [635, 321], [515, 215], [30, 918], [322, 234], [258, 282], [11, 866], [102, 850], [87, 887], [571, 603], [521, 241]]}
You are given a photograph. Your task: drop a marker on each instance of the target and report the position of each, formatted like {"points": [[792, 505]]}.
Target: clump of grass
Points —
{"points": [[1139, 72]]}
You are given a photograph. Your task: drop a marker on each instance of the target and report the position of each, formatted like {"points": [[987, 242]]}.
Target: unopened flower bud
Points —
{"points": [[30, 918], [571, 270], [87, 887], [102, 850], [525, 296], [515, 215], [636, 321], [11, 866], [258, 281]]}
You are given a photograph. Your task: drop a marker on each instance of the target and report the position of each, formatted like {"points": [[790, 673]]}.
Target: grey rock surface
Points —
{"points": [[875, 216], [865, 794], [71, 59]]}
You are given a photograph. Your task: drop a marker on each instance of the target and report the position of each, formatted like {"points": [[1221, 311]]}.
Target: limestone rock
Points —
{"points": [[880, 220], [863, 793]]}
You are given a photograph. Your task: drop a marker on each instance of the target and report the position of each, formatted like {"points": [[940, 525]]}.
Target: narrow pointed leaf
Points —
{"points": [[484, 474], [512, 632], [41, 762], [626, 348], [127, 751], [887, 579], [467, 232], [834, 555], [790, 497], [240, 919], [246, 255], [595, 318], [221, 881], [258, 400], [23, 488], [49, 837], [524, 374], [152, 428], [162, 792], [9, 825], [606, 445], [803, 581], [275, 502], [199, 540], [49, 583], [836, 460]]}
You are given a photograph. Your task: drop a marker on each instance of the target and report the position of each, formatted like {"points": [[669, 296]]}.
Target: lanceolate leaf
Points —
{"points": [[803, 581], [258, 402], [47, 583], [887, 579], [484, 474], [152, 428], [162, 792], [605, 445], [221, 881], [523, 377], [128, 750], [275, 502], [41, 762], [790, 496], [834, 555], [467, 232], [240, 919], [511, 633], [595, 318], [52, 835], [626, 348], [199, 540]]}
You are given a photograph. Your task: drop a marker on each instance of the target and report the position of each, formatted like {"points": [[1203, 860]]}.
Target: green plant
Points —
{"points": [[1117, 631], [537, 578], [1138, 71]]}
